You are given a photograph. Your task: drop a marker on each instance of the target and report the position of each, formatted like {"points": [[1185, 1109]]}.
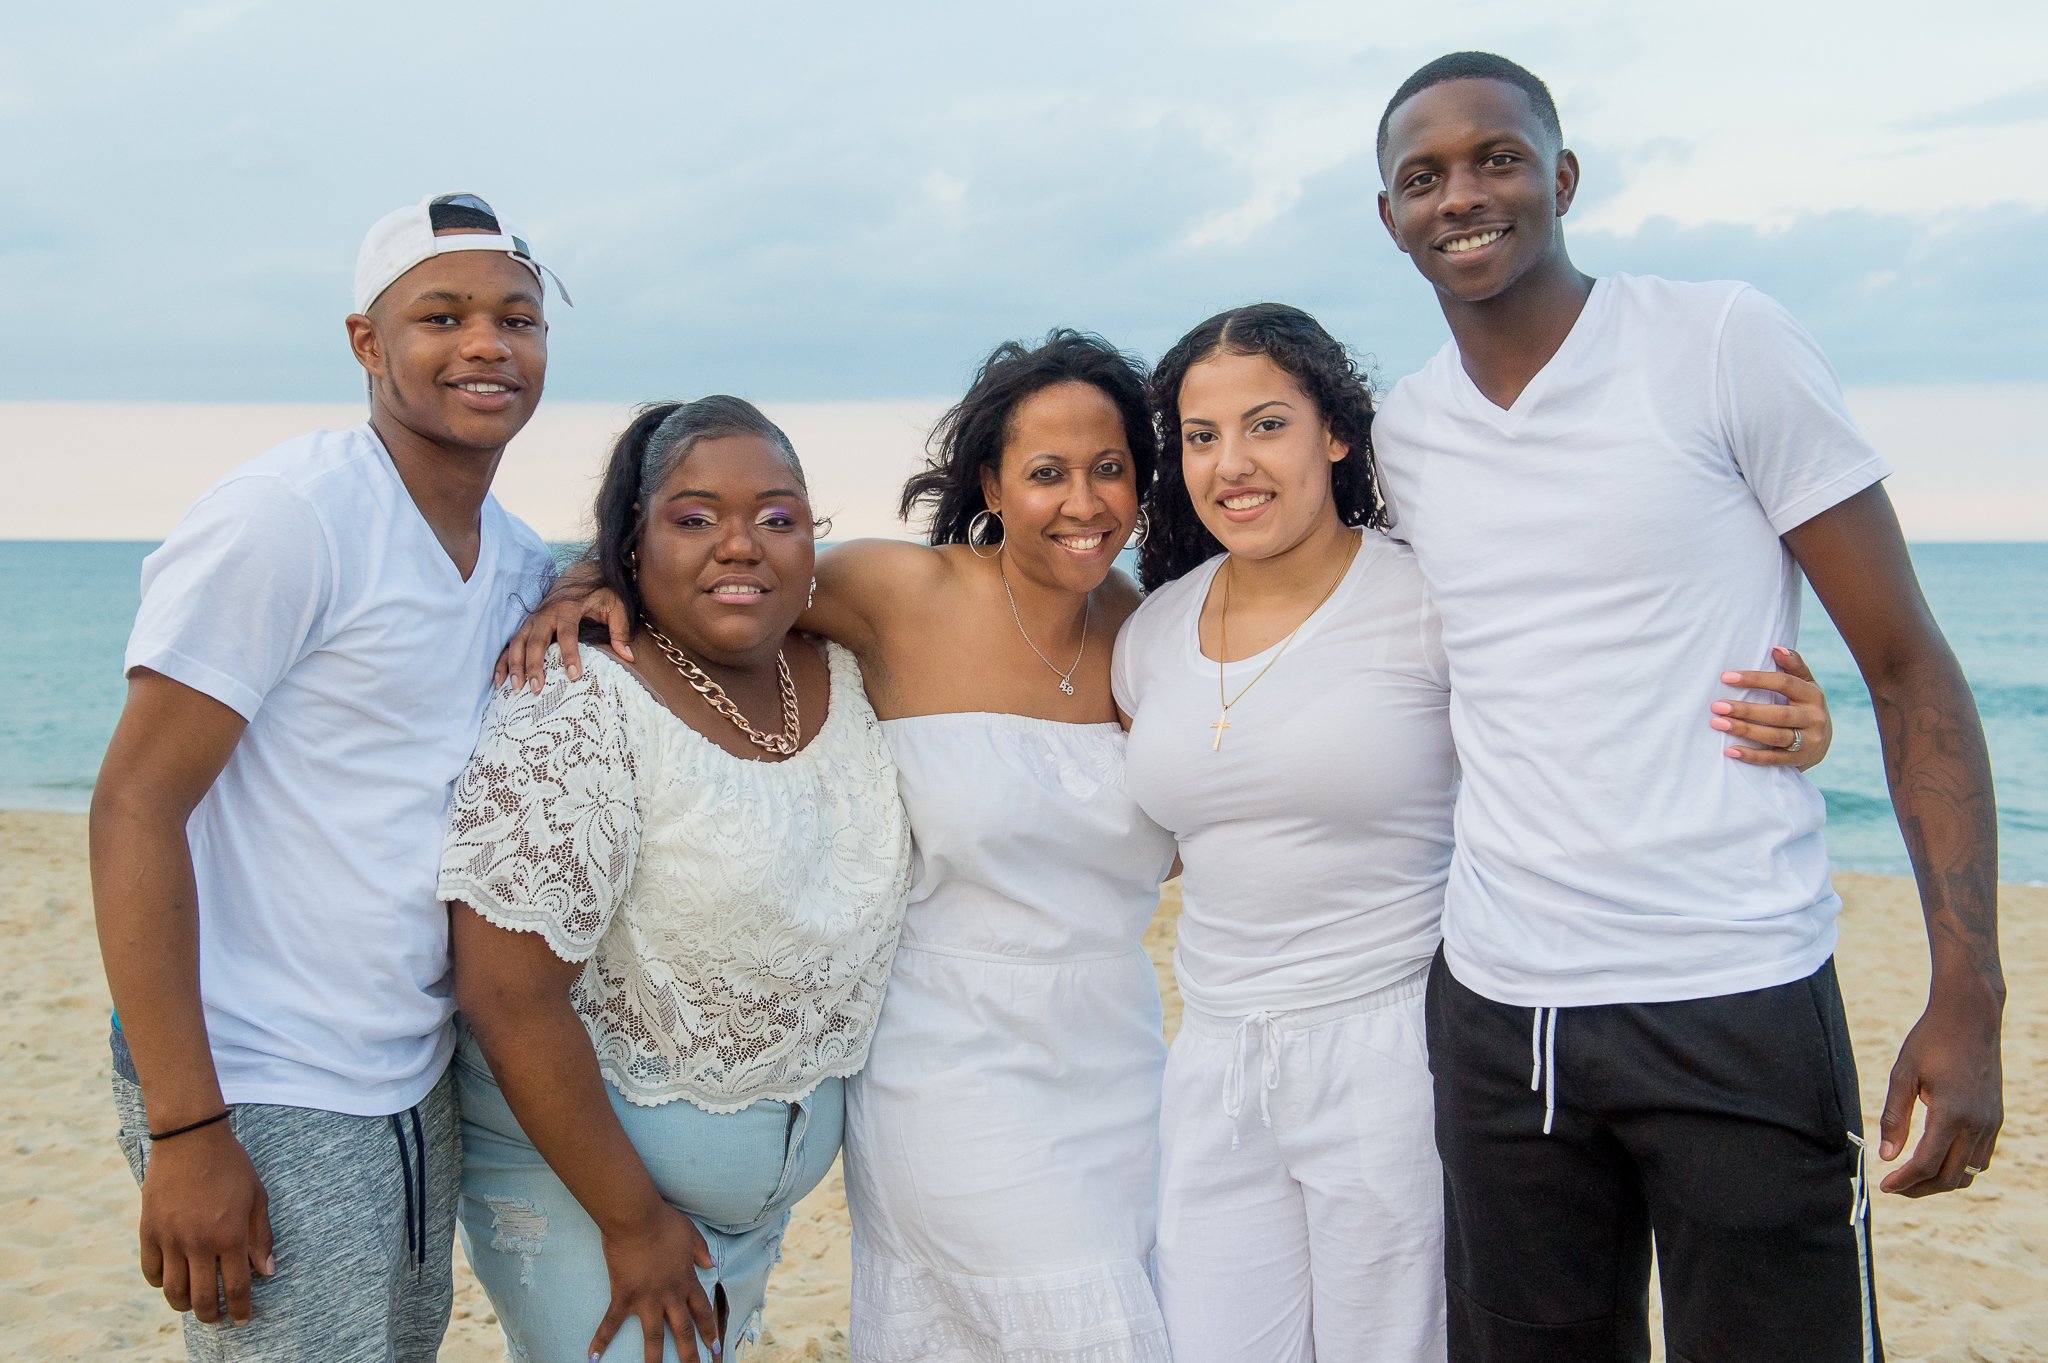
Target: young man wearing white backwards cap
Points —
{"points": [[305, 680]]}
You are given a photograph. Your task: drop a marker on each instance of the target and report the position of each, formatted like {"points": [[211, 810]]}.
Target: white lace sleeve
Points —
{"points": [[544, 829]]}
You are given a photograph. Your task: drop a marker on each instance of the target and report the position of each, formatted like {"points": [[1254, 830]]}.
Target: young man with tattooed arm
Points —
{"points": [[1634, 1027]]}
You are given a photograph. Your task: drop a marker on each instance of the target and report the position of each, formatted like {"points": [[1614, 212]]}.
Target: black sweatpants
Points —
{"points": [[1728, 1128]]}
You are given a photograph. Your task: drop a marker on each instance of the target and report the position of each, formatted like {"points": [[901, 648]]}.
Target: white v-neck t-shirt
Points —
{"points": [[306, 592], [1314, 841], [1600, 552]]}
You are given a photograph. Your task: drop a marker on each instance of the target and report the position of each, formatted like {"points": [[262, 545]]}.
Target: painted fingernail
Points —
{"points": [[716, 1348], [1722, 707], [1731, 678], [594, 1356], [1724, 725], [1735, 753]]}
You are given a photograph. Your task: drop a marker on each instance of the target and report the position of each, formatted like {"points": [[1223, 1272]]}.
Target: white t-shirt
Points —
{"points": [[305, 592], [1314, 842], [1600, 553]]}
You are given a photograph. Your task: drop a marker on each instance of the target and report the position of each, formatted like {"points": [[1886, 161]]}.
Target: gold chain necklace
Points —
{"points": [[1223, 643], [783, 743], [1087, 608]]}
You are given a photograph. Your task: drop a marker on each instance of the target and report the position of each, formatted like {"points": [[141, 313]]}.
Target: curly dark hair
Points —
{"points": [[1176, 540], [970, 437]]}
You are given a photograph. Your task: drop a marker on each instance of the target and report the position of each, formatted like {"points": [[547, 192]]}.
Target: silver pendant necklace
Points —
{"points": [[1087, 609]]}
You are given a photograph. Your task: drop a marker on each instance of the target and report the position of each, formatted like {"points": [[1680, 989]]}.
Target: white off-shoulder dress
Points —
{"points": [[1002, 1142]]}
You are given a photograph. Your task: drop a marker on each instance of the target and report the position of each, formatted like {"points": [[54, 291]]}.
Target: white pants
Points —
{"points": [[1301, 1201]]}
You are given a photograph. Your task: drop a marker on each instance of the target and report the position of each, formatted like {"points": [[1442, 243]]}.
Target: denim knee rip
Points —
{"points": [[518, 1227]]}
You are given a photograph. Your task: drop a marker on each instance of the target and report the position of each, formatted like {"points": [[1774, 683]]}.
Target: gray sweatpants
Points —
{"points": [[362, 1221]]}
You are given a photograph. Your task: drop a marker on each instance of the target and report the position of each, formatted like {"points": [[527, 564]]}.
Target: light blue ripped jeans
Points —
{"points": [[539, 1254]]}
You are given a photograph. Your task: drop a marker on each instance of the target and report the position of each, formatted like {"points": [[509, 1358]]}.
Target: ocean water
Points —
{"points": [[65, 609]]}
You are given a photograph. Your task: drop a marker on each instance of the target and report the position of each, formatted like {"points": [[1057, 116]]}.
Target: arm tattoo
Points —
{"points": [[1940, 779]]}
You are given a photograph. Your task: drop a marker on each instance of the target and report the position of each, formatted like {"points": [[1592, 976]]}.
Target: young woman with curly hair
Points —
{"points": [[1288, 703]]}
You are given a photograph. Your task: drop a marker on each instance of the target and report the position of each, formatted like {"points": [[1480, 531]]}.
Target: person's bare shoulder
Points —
{"points": [[893, 557], [878, 573]]}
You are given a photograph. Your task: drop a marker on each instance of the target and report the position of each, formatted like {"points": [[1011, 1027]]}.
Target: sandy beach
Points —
{"points": [[1963, 1277]]}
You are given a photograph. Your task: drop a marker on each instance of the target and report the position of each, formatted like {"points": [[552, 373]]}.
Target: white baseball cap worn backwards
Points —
{"points": [[403, 238]]}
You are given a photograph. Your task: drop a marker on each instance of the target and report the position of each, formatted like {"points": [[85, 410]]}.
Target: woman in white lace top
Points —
{"points": [[677, 887]]}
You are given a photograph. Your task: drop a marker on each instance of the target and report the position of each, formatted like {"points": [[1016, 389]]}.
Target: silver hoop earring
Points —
{"points": [[812, 599], [975, 528], [1143, 527]]}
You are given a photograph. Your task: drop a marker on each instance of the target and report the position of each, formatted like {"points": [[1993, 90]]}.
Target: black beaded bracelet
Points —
{"points": [[219, 1116]]}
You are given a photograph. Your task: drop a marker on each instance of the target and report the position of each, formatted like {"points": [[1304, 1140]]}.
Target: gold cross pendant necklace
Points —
{"points": [[1223, 643]]}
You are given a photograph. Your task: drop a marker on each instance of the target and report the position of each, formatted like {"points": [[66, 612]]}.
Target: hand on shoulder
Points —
{"points": [[577, 594]]}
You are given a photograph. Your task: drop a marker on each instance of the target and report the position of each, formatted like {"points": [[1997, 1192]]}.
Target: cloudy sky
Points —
{"points": [[812, 201]]}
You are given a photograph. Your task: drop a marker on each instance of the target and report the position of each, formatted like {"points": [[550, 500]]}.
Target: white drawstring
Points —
{"points": [[1859, 1226], [1859, 1186], [1543, 1062], [1269, 1071]]}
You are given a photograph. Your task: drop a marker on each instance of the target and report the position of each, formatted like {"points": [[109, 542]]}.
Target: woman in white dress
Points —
{"points": [[675, 891], [1002, 1142]]}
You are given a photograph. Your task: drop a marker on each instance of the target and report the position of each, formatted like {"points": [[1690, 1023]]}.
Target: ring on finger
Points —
{"points": [[1972, 1170], [1798, 741]]}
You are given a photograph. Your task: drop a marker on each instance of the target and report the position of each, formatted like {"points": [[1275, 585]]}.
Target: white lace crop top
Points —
{"points": [[738, 917]]}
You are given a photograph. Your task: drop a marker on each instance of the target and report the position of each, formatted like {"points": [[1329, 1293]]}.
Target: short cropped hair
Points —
{"points": [[1474, 66]]}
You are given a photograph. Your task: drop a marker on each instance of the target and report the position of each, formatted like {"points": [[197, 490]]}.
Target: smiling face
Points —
{"points": [[1256, 455], [1475, 188], [726, 550], [1065, 487], [456, 349]]}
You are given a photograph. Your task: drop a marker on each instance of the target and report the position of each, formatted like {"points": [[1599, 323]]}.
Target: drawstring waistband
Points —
{"points": [[1543, 1062], [1269, 1070], [1274, 1026], [412, 1164]]}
